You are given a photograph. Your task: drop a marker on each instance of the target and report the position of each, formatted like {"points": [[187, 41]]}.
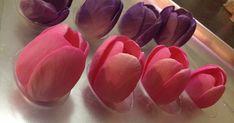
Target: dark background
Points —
{"points": [[213, 15]]}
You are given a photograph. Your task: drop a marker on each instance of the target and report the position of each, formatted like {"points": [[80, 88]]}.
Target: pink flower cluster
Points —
{"points": [[50, 66]]}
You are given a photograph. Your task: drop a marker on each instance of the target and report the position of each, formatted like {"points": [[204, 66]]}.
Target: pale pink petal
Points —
{"points": [[117, 78], [199, 84], [210, 97], [56, 74]]}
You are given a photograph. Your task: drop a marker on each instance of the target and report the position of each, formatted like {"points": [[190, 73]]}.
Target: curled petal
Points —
{"points": [[171, 90], [32, 54], [165, 14], [117, 78], [49, 80], [179, 55], [38, 11], [135, 15], [199, 84], [210, 97], [188, 34], [215, 71], [158, 74]]}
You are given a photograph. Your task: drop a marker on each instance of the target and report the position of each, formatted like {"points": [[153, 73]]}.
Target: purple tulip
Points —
{"points": [[97, 17], [45, 12], [177, 28], [141, 22]]}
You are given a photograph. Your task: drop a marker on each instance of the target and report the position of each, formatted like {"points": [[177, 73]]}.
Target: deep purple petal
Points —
{"points": [[38, 11], [183, 24], [183, 39], [168, 30], [132, 20], [96, 19], [182, 11], [61, 17]]}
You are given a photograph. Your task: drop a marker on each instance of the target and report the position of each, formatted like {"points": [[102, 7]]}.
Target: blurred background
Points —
{"points": [[213, 15]]}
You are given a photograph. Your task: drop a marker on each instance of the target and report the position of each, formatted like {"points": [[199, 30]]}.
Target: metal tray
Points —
{"points": [[81, 106]]}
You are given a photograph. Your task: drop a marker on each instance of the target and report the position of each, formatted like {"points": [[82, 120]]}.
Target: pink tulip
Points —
{"points": [[52, 63], [165, 74], [207, 85], [115, 69]]}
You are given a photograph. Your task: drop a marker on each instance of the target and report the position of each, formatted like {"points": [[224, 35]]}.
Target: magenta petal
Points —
{"points": [[101, 54], [56, 74], [173, 87], [200, 84], [159, 74], [161, 54], [117, 78], [210, 97], [179, 55], [32, 54]]}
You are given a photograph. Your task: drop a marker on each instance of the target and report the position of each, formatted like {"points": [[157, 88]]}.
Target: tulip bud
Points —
{"points": [[141, 22], [96, 18], [177, 28], [115, 69], [52, 63], [45, 12], [207, 85], [165, 74]]}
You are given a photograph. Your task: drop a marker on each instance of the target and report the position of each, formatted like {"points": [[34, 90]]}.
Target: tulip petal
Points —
{"points": [[100, 16], [59, 4], [134, 16], [32, 54], [210, 97], [56, 74], [182, 11], [179, 55], [199, 84], [171, 90], [38, 11], [117, 78], [132, 48], [182, 26], [184, 38], [215, 71], [159, 75], [165, 14], [107, 49], [168, 31], [151, 55], [161, 54], [61, 16]]}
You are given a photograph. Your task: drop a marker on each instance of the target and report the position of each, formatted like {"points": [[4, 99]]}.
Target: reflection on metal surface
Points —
{"points": [[82, 106]]}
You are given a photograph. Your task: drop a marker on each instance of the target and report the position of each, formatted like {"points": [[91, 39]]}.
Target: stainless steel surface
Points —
{"points": [[81, 106]]}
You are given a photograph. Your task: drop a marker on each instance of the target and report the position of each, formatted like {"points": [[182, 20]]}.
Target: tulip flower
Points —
{"points": [[115, 69], [177, 28], [207, 85], [141, 22], [165, 74], [96, 18], [45, 12], [52, 63]]}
